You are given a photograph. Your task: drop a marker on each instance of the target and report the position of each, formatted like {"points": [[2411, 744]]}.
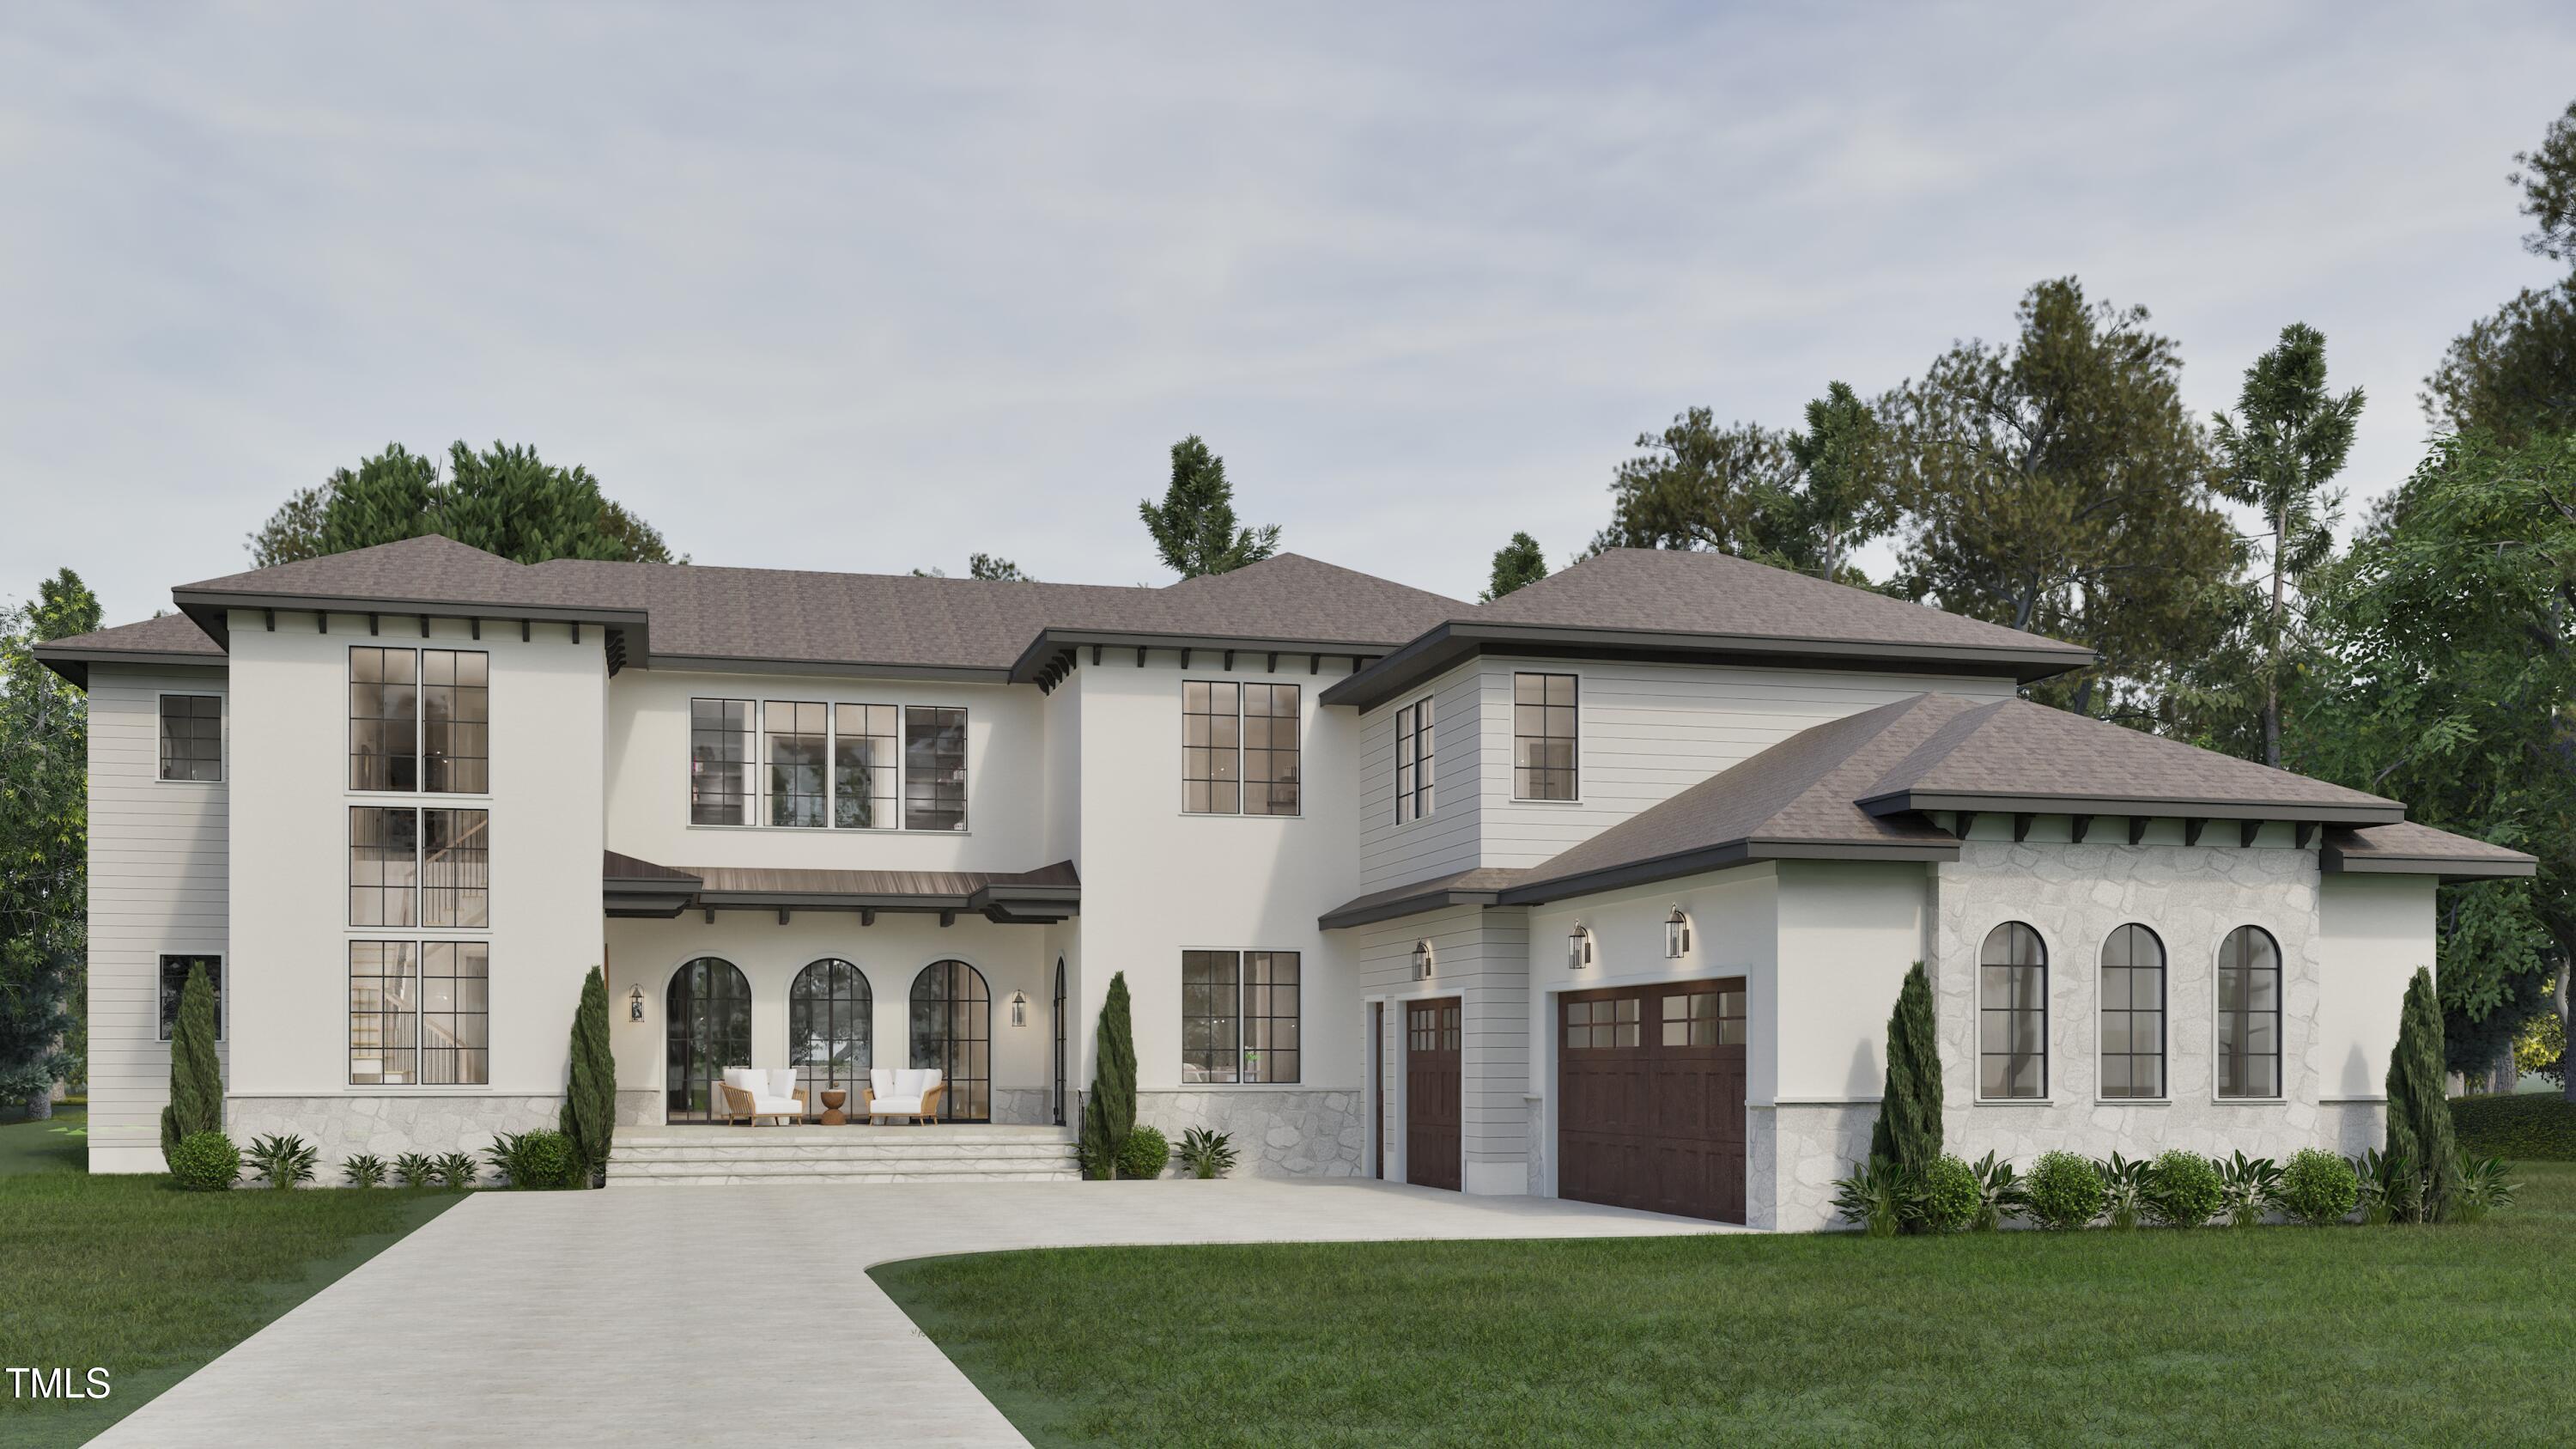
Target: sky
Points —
{"points": [[869, 289]]}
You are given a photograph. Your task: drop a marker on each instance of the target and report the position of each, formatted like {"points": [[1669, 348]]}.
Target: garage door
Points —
{"points": [[1650, 1098]]}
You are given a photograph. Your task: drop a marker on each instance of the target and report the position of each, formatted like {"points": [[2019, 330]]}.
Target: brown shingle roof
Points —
{"points": [[2407, 848], [169, 639]]}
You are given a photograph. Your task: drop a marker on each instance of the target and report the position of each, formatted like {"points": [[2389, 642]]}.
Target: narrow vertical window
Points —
{"points": [[1270, 1019], [720, 762], [796, 735], [174, 980], [192, 737], [455, 1013], [2012, 1014], [1413, 761], [1270, 749], [867, 769], [456, 869], [2249, 1014], [384, 719], [934, 768], [384, 1012], [455, 721], [1211, 1016], [1544, 737], [2133, 1014], [1211, 748], [384, 865]]}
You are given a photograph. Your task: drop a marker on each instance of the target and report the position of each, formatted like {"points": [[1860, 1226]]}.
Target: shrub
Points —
{"points": [[1877, 1197], [2248, 1189], [1999, 1193], [364, 1170], [590, 1091], [541, 1160], [2527, 1127], [2183, 1190], [454, 1169], [2379, 1181], [1207, 1154], [2484, 1187], [1951, 1198], [205, 1162], [196, 1080], [2419, 1116], [2318, 1187], [1145, 1155], [1908, 1130], [1109, 1112], [2124, 1190], [415, 1170], [2064, 1191], [283, 1161]]}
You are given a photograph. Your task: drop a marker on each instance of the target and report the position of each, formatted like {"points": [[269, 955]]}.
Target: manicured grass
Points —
{"points": [[2530, 1127], [128, 1274], [2428, 1335]]}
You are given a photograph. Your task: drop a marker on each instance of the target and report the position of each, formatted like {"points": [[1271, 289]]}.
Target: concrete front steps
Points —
{"points": [[707, 1156]]}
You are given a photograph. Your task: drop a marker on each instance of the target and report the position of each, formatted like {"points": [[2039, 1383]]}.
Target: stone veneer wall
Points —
{"points": [[344, 1126], [1280, 1133]]}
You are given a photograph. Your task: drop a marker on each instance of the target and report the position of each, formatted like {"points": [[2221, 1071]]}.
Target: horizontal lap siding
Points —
{"points": [[1445, 841], [1480, 956]]}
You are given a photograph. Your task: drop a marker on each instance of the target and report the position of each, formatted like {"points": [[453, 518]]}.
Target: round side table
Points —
{"points": [[832, 1100]]}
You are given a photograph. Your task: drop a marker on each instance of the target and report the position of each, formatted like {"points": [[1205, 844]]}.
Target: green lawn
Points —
{"points": [[149, 1283], [2444, 1335]]}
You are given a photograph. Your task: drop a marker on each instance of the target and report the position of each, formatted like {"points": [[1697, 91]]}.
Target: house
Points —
{"points": [[1602, 890]]}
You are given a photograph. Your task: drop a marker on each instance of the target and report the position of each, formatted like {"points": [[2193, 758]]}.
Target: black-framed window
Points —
{"points": [[1240, 1016], [1211, 747], [1546, 740], [192, 737], [720, 761], [456, 869], [867, 768], [174, 979], [455, 721], [420, 1013], [934, 767], [2133, 1013], [384, 865], [384, 1013], [2012, 1014], [952, 1029], [706, 1027], [1413, 759], [2249, 1014], [797, 737], [384, 718], [830, 1033], [455, 1013], [1271, 749], [1272, 984]]}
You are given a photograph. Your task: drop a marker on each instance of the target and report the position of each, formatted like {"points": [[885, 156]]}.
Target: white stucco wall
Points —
{"points": [[2374, 931]]}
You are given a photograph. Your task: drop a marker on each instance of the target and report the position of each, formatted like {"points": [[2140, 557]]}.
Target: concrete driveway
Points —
{"points": [[734, 1315]]}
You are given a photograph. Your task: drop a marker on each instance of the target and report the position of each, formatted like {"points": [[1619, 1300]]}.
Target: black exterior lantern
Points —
{"points": [[1422, 960], [1578, 949], [635, 1003], [1676, 935]]}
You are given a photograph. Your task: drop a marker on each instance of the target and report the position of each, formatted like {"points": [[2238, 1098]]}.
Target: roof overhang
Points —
{"points": [[670, 893], [1041, 656], [1453, 643], [212, 609], [2333, 860], [1395, 905], [2038, 802], [73, 664], [1727, 856]]}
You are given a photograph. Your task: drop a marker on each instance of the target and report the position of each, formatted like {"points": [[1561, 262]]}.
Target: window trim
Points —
{"points": [[1512, 762], [1241, 957], [1424, 715], [1243, 781], [2164, 1021], [2279, 1054], [2047, 1024], [223, 735], [223, 998], [757, 788]]}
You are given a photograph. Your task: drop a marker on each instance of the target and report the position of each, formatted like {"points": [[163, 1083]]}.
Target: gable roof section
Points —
{"points": [[171, 640], [1712, 608]]}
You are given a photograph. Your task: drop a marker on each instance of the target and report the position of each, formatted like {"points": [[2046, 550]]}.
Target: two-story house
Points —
{"points": [[1602, 890]]}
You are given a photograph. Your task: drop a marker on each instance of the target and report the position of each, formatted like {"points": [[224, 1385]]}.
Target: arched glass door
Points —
{"points": [[828, 1031], [952, 1029], [707, 1018], [1058, 1013]]}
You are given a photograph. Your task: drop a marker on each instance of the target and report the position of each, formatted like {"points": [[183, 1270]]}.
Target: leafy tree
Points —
{"points": [[44, 844], [1800, 501], [1194, 528], [1109, 1113], [2059, 485], [2513, 374], [589, 1118], [1845, 495], [2419, 1114], [1908, 1131], [1517, 564], [196, 1081], [981, 566], [504, 500]]}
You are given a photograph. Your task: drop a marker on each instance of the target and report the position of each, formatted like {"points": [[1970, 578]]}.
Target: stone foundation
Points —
{"points": [[1284, 1133], [388, 1126], [1027, 1106]]}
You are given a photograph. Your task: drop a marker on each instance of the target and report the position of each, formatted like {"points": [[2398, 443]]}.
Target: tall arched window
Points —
{"points": [[2012, 1013], [952, 1029], [707, 1027], [2249, 1014], [828, 1034], [2133, 1014]]}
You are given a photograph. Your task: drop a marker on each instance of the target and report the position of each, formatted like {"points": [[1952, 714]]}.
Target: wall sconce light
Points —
{"points": [[1019, 1008], [1422, 960], [635, 1003], [1676, 935], [1578, 949]]}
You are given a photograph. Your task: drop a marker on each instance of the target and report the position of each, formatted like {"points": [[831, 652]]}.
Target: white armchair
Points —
{"points": [[904, 1093], [751, 1093]]}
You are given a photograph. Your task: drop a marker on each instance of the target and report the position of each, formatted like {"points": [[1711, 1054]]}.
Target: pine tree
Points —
{"points": [[1908, 1133], [590, 1093], [196, 1082], [2419, 1115], [1517, 565], [1109, 1113], [1194, 528]]}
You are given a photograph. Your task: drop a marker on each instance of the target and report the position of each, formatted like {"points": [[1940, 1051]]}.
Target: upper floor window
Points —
{"points": [[836, 765], [174, 980], [384, 719], [192, 737], [1413, 761], [720, 762], [866, 768], [2133, 1014], [1239, 1016], [455, 721], [2012, 1013], [1544, 738], [934, 768], [411, 867], [2249, 1014], [1240, 749], [419, 719], [798, 739]]}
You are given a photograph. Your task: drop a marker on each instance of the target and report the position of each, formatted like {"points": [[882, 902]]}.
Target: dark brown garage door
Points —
{"points": [[1432, 1037], [1650, 1098]]}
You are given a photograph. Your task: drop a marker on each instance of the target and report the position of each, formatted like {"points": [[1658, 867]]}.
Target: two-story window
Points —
{"points": [[419, 720], [419, 1013], [1240, 751], [819, 765], [1413, 761], [1239, 1019], [1545, 738], [192, 737]]}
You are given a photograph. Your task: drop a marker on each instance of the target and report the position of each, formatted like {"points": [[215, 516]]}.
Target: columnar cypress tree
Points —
{"points": [[590, 1093], [1109, 1113], [1908, 1133], [2419, 1115], [196, 1082]]}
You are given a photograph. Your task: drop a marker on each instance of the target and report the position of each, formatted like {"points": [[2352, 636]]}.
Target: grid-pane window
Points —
{"points": [[1413, 761], [455, 869], [174, 980], [2249, 1014], [1599, 1024], [934, 768], [829, 1028], [1544, 739], [455, 721], [1270, 749], [384, 719], [455, 1013], [384, 865], [2133, 1014], [720, 762], [797, 736], [2012, 1014], [867, 769], [1704, 1018], [192, 737], [1270, 1024], [1211, 748], [384, 1013], [1211, 1016]]}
